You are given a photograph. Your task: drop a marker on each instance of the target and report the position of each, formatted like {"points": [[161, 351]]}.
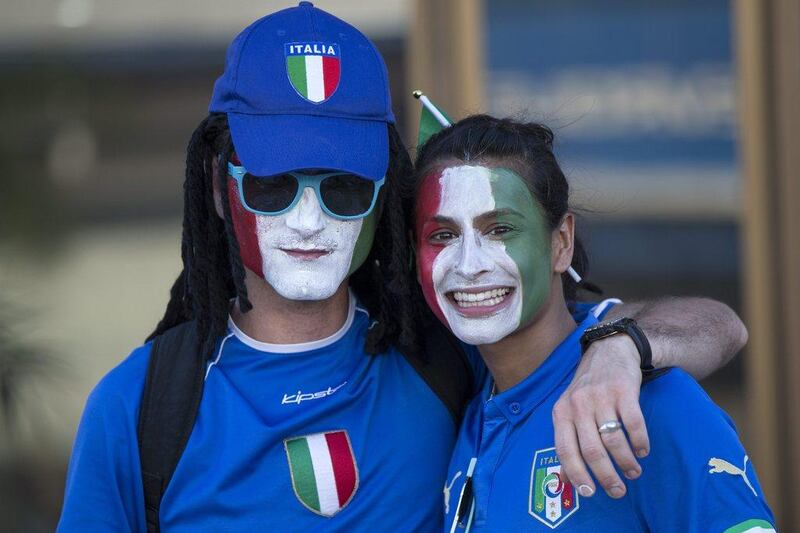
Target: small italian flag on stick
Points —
{"points": [[431, 121]]}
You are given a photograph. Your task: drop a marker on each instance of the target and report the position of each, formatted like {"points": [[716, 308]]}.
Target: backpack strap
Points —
{"points": [[446, 370], [170, 401]]}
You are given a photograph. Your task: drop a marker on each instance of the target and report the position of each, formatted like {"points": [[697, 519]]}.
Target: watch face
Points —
{"points": [[602, 330], [610, 328], [606, 329], [624, 325]]}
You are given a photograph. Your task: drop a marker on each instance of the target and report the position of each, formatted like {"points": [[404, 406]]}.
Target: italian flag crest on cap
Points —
{"points": [[324, 471], [314, 69]]}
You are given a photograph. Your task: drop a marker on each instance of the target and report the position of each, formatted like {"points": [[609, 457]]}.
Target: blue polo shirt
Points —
{"points": [[306, 437], [697, 477]]}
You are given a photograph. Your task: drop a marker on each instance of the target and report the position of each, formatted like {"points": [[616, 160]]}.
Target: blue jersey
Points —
{"points": [[309, 437], [697, 477]]}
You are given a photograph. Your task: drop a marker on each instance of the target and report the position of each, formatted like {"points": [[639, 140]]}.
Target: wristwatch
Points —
{"points": [[626, 326]]}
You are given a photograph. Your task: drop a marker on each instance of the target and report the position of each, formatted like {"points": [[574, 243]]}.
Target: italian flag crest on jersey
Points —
{"points": [[551, 500], [324, 471], [314, 69]]}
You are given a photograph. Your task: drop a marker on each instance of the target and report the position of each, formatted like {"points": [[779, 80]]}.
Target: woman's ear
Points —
{"points": [[215, 185], [563, 244]]}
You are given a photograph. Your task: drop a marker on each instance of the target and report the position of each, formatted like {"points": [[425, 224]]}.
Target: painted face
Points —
{"points": [[304, 254], [483, 251]]}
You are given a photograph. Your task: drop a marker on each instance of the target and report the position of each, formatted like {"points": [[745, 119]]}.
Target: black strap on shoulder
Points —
{"points": [[445, 368], [170, 401]]}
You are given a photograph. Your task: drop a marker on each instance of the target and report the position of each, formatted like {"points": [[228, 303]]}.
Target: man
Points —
{"points": [[313, 414]]}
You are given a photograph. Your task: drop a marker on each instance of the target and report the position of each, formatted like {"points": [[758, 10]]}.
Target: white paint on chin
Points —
{"points": [[306, 227], [473, 259]]}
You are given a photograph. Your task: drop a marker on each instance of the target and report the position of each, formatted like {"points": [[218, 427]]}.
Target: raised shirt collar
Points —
{"points": [[516, 402]]}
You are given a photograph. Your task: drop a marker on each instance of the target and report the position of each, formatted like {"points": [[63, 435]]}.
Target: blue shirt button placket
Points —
{"points": [[493, 436]]}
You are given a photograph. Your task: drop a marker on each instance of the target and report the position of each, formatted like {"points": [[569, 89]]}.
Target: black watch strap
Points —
{"points": [[638, 337], [629, 327]]}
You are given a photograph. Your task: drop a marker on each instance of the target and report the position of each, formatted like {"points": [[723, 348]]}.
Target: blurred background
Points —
{"points": [[676, 121]]}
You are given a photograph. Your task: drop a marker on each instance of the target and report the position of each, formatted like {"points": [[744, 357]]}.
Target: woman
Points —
{"points": [[494, 239]]}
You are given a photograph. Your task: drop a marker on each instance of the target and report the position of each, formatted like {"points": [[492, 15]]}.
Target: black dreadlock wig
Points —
{"points": [[212, 267]]}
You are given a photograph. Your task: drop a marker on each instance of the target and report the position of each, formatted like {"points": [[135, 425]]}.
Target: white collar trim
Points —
{"points": [[300, 346]]}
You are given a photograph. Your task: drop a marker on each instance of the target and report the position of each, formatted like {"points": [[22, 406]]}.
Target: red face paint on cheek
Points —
{"points": [[244, 226], [428, 201]]}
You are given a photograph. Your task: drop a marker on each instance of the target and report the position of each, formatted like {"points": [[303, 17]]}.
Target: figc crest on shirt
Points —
{"points": [[313, 69], [551, 500], [323, 470]]}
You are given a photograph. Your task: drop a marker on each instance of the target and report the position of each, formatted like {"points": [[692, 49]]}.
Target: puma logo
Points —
{"points": [[719, 466], [447, 492]]}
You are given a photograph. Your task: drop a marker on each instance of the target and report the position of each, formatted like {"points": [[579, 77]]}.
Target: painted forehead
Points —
{"points": [[465, 192]]}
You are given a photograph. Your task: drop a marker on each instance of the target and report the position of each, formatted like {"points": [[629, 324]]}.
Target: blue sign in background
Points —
{"points": [[641, 95], [623, 81]]}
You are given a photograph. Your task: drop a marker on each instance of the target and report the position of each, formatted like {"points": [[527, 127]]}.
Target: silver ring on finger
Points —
{"points": [[609, 427]]}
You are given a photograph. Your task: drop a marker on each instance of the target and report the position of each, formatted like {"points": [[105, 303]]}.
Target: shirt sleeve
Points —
{"points": [[698, 476], [581, 310], [104, 489]]}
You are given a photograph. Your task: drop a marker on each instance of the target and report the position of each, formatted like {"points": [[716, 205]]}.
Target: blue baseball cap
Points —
{"points": [[304, 89]]}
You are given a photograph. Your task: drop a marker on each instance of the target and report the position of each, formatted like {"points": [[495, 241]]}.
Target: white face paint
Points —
{"points": [[472, 274], [306, 254]]}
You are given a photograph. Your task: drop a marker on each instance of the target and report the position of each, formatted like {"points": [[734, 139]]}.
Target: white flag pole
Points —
{"points": [[440, 118]]}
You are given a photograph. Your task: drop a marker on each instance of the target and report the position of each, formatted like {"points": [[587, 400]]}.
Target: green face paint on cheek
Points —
{"points": [[528, 242], [363, 243]]}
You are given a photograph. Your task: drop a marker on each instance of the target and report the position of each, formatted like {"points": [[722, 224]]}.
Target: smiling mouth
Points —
{"points": [[486, 298]]}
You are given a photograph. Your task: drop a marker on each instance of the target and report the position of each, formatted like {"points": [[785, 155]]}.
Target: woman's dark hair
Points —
{"points": [[212, 267], [525, 147]]}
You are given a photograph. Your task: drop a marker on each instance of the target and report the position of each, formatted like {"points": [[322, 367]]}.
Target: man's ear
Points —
{"points": [[563, 244], [215, 186]]}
